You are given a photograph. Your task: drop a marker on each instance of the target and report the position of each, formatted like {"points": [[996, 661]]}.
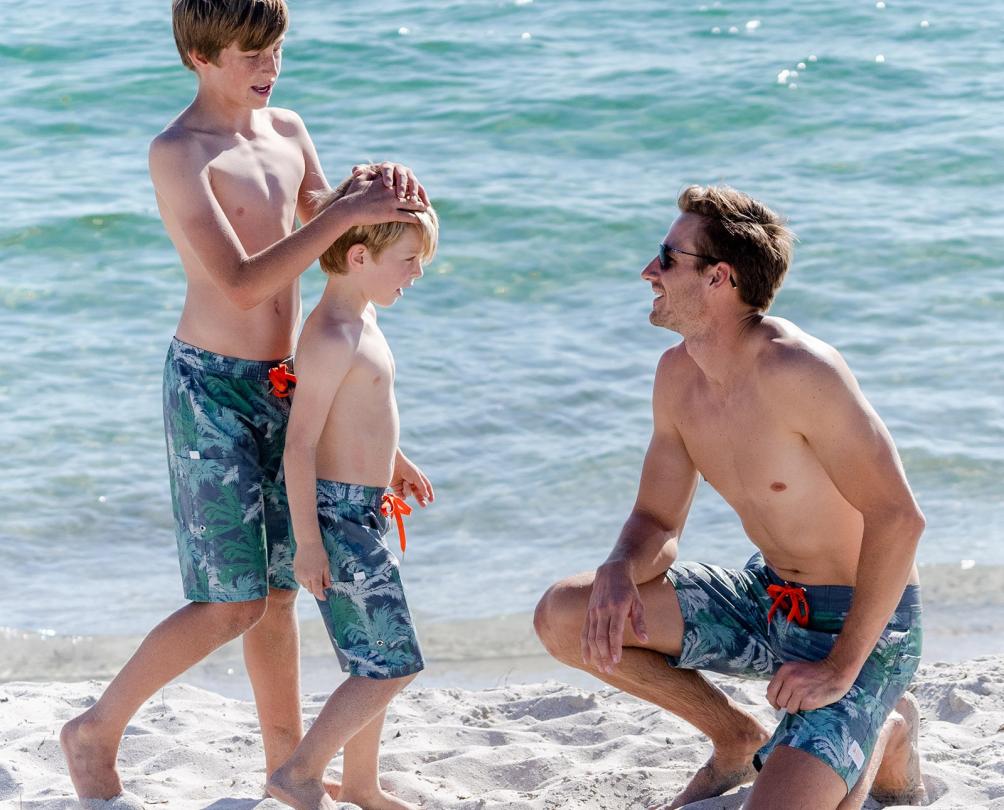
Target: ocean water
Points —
{"points": [[553, 137]]}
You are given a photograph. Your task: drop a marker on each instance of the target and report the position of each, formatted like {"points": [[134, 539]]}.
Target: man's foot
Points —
{"points": [[376, 799], [898, 780], [301, 794], [725, 769], [90, 759]]}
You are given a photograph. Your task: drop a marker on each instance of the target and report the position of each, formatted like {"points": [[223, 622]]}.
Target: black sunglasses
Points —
{"points": [[665, 250]]}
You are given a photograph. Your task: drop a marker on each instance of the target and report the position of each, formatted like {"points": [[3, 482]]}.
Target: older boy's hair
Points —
{"points": [[209, 26], [376, 238], [745, 233]]}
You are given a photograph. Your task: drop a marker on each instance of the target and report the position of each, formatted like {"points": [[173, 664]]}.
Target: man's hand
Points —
{"points": [[399, 178], [803, 686], [310, 567], [614, 599], [409, 479]]}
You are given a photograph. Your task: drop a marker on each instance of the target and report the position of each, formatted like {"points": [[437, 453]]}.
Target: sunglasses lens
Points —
{"points": [[663, 256]]}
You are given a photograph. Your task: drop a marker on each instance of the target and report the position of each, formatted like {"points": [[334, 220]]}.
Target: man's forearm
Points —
{"points": [[884, 567], [645, 546]]}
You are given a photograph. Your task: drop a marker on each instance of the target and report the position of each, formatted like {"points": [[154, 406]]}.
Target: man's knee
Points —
{"points": [[559, 616]]}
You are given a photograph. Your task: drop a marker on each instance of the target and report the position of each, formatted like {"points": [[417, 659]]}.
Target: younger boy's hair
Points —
{"points": [[376, 238], [209, 26]]}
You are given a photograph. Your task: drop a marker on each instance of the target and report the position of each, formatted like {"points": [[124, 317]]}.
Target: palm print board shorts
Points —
{"points": [[225, 436], [365, 611], [726, 630]]}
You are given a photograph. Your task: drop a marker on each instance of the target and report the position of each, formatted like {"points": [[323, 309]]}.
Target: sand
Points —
{"points": [[543, 745]]}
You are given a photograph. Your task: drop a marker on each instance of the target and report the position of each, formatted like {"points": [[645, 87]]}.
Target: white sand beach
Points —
{"points": [[522, 746]]}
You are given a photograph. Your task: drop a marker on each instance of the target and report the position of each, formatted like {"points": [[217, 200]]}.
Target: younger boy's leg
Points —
{"points": [[91, 740], [352, 707], [361, 780]]}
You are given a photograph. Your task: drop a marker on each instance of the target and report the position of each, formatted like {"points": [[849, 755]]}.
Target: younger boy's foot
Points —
{"points": [[376, 799], [90, 759], [301, 794]]}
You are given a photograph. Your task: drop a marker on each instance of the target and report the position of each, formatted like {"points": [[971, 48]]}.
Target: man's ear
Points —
{"points": [[356, 257], [721, 274]]}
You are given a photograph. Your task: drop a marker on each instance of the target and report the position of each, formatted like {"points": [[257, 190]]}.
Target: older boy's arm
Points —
{"points": [[182, 182], [856, 450], [322, 361], [647, 545]]}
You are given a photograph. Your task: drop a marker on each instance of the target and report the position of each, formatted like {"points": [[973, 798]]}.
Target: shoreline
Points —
{"points": [[520, 746]]}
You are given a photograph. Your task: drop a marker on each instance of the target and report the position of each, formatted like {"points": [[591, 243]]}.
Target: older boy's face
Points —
{"points": [[247, 77], [398, 267]]}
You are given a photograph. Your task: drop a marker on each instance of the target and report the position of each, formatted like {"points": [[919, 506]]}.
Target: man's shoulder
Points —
{"points": [[794, 364]]}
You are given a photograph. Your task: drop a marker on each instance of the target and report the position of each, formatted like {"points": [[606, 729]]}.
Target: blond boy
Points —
{"points": [[339, 460], [231, 177]]}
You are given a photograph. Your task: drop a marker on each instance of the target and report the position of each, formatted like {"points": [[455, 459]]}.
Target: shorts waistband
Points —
{"points": [[358, 494], [213, 363], [837, 598]]}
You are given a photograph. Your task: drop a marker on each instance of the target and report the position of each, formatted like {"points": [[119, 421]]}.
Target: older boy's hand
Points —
{"points": [[372, 202], [310, 567], [395, 176], [407, 478]]}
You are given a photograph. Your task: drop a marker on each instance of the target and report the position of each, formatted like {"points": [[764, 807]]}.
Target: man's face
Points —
{"points": [[677, 288], [398, 267], [246, 78]]}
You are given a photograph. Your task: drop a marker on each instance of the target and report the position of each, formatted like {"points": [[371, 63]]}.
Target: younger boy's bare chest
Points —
{"points": [[370, 382]]}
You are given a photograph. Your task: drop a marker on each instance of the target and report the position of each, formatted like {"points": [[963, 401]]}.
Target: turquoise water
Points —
{"points": [[553, 137]]}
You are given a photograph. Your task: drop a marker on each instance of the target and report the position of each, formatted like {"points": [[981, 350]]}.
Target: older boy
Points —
{"points": [[339, 460], [231, 177]]}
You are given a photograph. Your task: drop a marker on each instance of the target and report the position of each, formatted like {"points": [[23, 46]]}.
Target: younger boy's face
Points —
{"points": [[396, 269], [246, 78]]}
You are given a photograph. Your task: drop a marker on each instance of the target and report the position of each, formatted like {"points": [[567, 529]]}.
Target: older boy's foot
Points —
{"points": [[90, 760], [898, 780], [376, 799], [301, 794]]}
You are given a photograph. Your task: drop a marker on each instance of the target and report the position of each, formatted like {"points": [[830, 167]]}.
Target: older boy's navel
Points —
{"points": [[777, 486], [240, 211]]}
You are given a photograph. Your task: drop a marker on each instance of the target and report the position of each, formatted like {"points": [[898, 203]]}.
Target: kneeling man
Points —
{"points": [[828, 609]]}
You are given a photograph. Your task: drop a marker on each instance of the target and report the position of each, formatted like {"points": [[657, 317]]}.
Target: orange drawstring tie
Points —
{"points": [[391, 505], [799, 606], [282, 380]]}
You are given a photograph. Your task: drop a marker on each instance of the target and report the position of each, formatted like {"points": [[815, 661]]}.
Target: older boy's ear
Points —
{"points": [[355, 257]]}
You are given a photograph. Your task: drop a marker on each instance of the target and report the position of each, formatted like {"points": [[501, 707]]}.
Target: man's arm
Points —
{"points": [[181, 179], [322, 362], [858, 454], [648, 542]]}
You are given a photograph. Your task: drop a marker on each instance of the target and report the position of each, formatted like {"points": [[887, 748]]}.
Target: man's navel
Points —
{"points": [[777, 486]]}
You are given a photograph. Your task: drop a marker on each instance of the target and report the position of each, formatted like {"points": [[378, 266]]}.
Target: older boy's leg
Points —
{"points": [[91, 740], [643, 672], [351, 707], [361, 777]]}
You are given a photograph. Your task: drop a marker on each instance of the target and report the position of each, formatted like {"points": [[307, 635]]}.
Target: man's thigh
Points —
{"points": [[794, 780]]}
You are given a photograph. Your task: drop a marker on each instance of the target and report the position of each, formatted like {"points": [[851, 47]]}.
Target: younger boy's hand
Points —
{"points": [[409, 479], [395, 176], [372, 203], [310, 567]]}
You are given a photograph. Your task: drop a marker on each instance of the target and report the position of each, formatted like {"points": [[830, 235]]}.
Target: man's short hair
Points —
{"points": [[745, 233], [209, 26], [376, 238]]}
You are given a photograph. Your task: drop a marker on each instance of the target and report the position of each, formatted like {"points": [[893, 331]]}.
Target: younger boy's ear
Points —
{"points": [[356, 256]]}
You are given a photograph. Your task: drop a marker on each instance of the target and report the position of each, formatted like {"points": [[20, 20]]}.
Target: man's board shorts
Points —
{"points": [[726, 630], [225, 436], [364, 611]]}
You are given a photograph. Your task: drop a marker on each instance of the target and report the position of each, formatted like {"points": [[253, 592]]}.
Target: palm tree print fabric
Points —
{"points": [[365, 611], [726, 630], [225, 436]]}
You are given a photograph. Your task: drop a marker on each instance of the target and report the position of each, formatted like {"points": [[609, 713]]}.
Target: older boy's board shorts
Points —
{"points": [[726, 630], [225, 436], [365, 611]]}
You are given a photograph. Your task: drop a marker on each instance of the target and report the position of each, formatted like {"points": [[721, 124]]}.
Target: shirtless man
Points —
{"points": [[774, 420], [231, 177]]}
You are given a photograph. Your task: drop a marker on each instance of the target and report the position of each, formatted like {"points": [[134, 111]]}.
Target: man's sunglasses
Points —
{"points": [[665, 250]]}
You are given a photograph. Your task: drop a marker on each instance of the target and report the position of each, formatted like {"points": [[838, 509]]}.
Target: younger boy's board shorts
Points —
{"points": [[225, 435], [726, 630], [365, 611]]}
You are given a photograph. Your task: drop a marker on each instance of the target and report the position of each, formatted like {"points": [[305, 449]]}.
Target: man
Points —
{"points": [[774, 420]]}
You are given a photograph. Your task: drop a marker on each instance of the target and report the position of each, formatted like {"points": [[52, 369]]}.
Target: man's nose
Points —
{"points": [[650, 272]]}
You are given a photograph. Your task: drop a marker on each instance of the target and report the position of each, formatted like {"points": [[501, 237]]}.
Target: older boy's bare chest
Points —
{"points": [[256, 182]]}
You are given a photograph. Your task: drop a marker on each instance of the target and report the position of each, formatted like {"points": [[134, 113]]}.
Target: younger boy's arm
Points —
{"points": [[181, 178], [322, 361]]}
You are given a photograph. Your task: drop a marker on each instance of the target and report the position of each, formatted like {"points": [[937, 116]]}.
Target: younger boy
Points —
{"points": [[232, 176], [339, 458]]}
